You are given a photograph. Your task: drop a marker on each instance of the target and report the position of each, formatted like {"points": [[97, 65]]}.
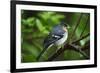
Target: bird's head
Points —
{"points": [[65, 26]]}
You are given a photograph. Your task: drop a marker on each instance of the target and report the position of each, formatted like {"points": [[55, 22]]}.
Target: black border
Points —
{"points": [[13, 36]]}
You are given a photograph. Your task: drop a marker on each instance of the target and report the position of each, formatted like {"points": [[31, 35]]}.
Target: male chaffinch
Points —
{"points": [[57, 36]]}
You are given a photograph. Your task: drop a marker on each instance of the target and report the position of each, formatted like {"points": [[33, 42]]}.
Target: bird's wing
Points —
{"points": [[50, 39]]}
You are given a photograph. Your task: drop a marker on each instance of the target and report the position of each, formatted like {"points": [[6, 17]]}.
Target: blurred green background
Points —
{"points": [[35, 26]]}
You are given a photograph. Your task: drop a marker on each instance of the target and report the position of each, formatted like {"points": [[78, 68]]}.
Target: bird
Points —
{"points": [[57, 36]]}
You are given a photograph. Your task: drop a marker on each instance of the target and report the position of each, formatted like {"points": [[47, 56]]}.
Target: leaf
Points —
{"points": [[40, 27], [30, 21], [72, 55]]}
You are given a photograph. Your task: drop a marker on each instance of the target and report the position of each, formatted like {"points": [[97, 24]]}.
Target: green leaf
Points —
{"points": [[72, 55], [30, 21]]}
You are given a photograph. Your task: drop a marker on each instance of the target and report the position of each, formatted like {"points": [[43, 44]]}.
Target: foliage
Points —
{"points": [[35, 26]]}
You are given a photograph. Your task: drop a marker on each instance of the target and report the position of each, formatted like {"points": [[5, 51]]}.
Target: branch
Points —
{"points": [[66, 47], [81, 38]]}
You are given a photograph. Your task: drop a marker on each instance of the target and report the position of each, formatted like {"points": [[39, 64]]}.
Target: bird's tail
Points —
{"points": [[40, 54]]}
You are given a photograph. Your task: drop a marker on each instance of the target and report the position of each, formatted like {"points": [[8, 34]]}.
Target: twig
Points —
{"points": [[66, 47], [80, 51], [85, 47], [81, 38], [84, 27], [78, 22], [71, 47]]}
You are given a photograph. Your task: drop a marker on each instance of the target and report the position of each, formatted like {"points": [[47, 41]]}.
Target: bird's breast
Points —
{"points": [[62, 40]]}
